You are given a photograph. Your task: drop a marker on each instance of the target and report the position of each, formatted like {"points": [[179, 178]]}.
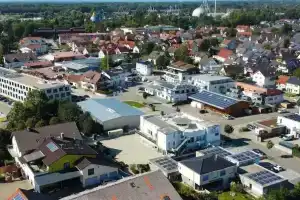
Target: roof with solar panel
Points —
{"points": [[147, 186], [166, 164], [219, 151], [262, 176], [214, 99], [244, 158]]}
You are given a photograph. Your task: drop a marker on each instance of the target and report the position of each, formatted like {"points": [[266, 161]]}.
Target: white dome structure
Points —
{"points": [[198, 11]]}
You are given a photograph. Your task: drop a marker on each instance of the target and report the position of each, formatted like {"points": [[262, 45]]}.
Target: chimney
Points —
{"points": [[62, 135]]}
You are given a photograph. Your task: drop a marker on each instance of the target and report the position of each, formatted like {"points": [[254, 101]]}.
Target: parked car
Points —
{"points": [[251, 126], [203, 111], [260, 152], [283, 111], [278, 168], [229, 117], [288, 137]]}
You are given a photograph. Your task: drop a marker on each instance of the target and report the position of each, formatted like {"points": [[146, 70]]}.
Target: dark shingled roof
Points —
{"points": [[206, 164], [20, 57], [64, 147], [85, 162], [294, 80], [148, 186], [30, 139]]}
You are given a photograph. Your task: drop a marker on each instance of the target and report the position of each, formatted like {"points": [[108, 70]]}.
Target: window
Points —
{"points": [[205, 178], [192, 139], [222, 173], [66, 88], [91, 171], [55, 90], [216, 134], [56, 95], [62, 95], [49, 91], [60, 89], [66, 165]]}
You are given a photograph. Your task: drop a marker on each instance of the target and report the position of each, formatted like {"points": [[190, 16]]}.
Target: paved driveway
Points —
{"points": [[131, 150]]}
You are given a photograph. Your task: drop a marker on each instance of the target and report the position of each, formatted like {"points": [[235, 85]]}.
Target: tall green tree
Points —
{"points": [[181, 53], [105, 63], [297, 73]]}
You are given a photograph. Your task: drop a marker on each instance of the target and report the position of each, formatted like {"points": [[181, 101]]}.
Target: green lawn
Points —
{"points": [[238, 196], [135, 104]]}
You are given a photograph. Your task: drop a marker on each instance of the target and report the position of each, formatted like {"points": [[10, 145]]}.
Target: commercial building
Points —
{"points": [[207, 170], [292, 123], [147, 186], [175, 133], [259, 181], [112, 113], [81, 65], [219, 84], [50, 155], [219, 103], [172, 92], [16, 86], [144, 68]]}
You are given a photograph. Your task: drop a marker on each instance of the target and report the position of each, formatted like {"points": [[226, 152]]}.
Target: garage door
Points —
{"points": [[92, 181]]}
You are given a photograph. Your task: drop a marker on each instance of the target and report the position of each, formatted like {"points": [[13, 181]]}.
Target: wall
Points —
{"points": [[98, 171], [230, 173], [295, 89], [120, 122], [188, 175], [256, 189], [290, 124], [15, 147], [59, 164]]}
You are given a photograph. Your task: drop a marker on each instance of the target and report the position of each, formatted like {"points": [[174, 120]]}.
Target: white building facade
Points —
{"points": [[144, 68], [178, 132], [262, 80], [16, 86]]}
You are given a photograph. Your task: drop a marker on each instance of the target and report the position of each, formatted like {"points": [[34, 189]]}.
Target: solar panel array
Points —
{"points": [[166, 163], [216, 151], [264, 177], [52, 147], [18, 197], [294, 117], [245, 156], [214, 99]]}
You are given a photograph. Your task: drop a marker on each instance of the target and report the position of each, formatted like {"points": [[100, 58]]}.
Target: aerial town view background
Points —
{"points": [[150, 100]]}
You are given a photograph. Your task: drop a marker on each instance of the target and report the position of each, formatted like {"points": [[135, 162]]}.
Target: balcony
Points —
{"points": [[11, 151], [51, 178]]}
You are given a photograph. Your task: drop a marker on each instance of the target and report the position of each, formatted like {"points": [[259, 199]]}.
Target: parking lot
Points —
{"points": [[131, 150]]}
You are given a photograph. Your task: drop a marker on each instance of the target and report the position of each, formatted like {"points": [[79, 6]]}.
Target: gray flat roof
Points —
{"points": [[108, 109], [165, 163], [208, 78]]}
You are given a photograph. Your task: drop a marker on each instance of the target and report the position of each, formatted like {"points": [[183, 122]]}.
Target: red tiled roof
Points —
{"points": [[34, 46], [242, 27], [245, 33], [131, 44], [68, 54], [282, 79], [38, 64], [74, 78], [225, 53]]}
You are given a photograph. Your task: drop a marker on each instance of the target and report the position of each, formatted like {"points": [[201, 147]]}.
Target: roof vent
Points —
{"points": [[132, 184]]}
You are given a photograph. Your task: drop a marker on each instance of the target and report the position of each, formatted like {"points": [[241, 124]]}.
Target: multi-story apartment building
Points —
{"points": [[178, 132], [219, 84], [17, 85], [170, 91], [179, 72]]}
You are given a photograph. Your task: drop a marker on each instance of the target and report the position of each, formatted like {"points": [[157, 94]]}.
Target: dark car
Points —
{"points": [[251, 126], [260, 152], [203, 111]]}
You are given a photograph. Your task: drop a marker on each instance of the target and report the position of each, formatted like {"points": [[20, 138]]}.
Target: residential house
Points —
{"points": [[261, 95], [229, 44], [32, 40], [179, 71], [223, 55], [209, 65], [281, 82], [147, 186], [293, 85], [197, 56], [17, 60], [154, 55], [231, 70], [292, 123], [37, 64], [242, 28], [53, 154], [172, 92], [178, 132], [208, 169], [213, 83], [90, 80], [264, 77], [144, 68], [37, 49]]}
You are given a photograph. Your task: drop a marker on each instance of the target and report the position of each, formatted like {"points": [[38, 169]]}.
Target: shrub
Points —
{"points": [[228, 129], [133, 169], [270, 144], [244, 129]]}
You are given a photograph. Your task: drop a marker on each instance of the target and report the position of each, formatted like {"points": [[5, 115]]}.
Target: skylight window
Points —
{"points": [[52, 147]]}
